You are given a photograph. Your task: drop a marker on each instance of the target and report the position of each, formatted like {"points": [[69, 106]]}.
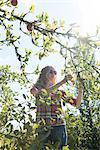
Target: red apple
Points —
{"points": [[14, 2], [29, 27]]}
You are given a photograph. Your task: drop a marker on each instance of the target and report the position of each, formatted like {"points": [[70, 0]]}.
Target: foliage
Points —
{"points": [[79, 55]]}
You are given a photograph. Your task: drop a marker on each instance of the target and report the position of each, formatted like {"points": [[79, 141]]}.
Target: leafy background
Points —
{"points": [[17, 106]]}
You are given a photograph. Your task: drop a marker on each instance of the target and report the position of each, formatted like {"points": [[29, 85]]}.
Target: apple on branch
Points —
{"points": [[14, 2], [29, 26]]}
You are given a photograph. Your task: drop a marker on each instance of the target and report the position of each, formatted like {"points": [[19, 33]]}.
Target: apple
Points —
{"points": [[14, 2], [29, 27]]}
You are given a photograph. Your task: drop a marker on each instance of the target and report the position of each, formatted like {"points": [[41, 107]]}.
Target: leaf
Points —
{"points": [[65, 148], [19, 105], [32, 8], [32, 107], [24, 96], [7, 33], [97, 43]]}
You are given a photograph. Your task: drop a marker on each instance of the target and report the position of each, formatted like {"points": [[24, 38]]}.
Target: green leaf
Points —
{"points": [[7, 33]]}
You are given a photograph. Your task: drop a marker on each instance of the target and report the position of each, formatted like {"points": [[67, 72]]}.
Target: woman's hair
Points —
{"points": [[43, 80]]}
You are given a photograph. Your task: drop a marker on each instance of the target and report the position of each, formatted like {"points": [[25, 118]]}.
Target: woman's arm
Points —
{"points": [[80, 94], [35, 91], [56, 86]]}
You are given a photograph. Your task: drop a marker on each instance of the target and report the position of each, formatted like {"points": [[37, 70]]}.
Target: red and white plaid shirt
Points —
{"points": [[50, 111]]}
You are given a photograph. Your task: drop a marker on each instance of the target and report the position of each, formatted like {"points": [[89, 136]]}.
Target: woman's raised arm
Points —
{"points": [[80, 94]]}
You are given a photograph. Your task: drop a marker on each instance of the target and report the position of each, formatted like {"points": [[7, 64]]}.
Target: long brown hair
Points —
{"points": [[42, 80]]}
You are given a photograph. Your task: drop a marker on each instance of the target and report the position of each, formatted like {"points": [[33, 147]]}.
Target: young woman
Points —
{"points": [[49, 109]]}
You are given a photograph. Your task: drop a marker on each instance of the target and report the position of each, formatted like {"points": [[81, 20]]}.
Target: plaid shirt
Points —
{"points": [[50, 111]]}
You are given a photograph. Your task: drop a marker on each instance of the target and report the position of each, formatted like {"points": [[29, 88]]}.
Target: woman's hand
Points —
{"points": [[68, 77], [34, 91]]}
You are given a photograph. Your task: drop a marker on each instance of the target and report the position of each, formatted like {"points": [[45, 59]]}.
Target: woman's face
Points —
{"points": [[52, 76]]}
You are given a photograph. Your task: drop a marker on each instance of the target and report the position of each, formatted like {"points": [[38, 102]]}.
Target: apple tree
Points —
{"points": [[18, 106]]}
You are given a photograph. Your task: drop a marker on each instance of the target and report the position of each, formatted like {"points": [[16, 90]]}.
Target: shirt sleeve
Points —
{"points": [[73, 101]]}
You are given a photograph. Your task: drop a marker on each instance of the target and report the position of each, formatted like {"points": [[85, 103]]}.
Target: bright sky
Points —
{"points": [[90, 14], [82, 12]]}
